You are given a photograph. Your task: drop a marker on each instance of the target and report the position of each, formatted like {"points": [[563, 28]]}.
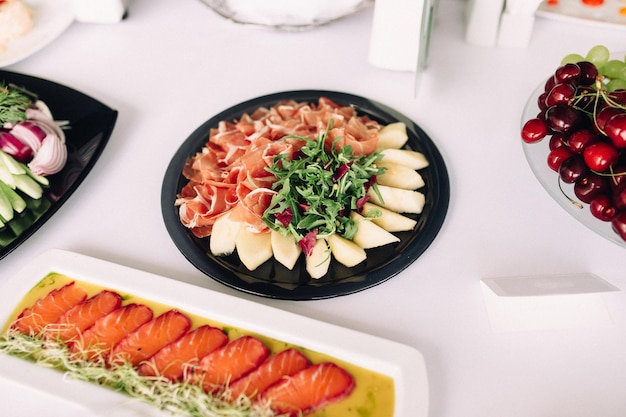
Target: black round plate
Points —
{"points": [[272, 279], [90, 126]]}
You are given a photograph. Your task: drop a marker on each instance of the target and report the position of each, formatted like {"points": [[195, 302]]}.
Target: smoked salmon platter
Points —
{"points": [[85, 125], [253, 197], [91, 337]]}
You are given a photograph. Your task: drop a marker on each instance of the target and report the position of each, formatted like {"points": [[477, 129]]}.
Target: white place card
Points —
{"points": [[547, 302]]}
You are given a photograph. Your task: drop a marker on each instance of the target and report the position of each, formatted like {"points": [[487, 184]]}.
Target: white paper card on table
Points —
{"points": [[546, 302]]}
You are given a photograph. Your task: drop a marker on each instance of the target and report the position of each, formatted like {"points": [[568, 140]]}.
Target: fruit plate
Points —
{"points": [[536, 156], [20, 379], [51, 19], [276, 281], [91, 124], [609, 14]]}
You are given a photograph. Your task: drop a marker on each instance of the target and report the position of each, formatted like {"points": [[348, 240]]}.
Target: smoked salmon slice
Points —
{"points": [[172, 361], [98, 340], [48, 309], [309, 390], [283, 364], [229, 363], [150, 337], [83, 315]]}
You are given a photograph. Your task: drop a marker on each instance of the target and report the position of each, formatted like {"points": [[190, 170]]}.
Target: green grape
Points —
{"points": [[598, 55], [615, 84], [572, 59], [614, 69]]}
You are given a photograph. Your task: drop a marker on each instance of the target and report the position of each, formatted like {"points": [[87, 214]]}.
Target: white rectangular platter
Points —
{"points": [[21, 381]]}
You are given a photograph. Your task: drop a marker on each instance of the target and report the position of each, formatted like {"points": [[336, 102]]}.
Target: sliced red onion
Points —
{"points": [[50, 158], [29, 133], [43, 120], [14, 147]]}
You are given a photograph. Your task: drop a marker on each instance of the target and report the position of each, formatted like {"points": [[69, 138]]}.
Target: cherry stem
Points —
{"points": [[571, 200]]}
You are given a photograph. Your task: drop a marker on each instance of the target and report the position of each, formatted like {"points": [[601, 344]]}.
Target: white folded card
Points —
{"points": [[546, 302]]}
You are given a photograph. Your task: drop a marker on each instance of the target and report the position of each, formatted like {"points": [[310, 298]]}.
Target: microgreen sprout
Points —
{"points": [[177, 398]]}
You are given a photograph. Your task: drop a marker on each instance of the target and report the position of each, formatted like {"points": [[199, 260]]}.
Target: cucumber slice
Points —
{"points": [[28, 185], [39, 178], [18, 203], [6, 209], [12, 165], [5, 175]]}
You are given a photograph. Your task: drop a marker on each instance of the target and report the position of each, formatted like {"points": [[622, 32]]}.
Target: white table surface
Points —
{"points": [[171, 65]]}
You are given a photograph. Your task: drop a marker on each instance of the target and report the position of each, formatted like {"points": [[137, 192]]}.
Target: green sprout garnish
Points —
{"points": [[177, 398]]}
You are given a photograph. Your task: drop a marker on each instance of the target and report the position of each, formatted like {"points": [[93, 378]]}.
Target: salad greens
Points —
{"points": [[316, 191], [13, 105]]}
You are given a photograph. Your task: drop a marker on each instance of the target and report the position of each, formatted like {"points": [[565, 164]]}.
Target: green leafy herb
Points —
{"points": [[318, 190], [13, 105]]}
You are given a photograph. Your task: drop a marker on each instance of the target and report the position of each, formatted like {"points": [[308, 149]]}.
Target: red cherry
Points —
{"points": [[602, 208], [567, 73], [599, 156], [618, 222], [563, 118], [591, 185], [560, 93], [619, 197], [557, 156], [615, 129], [588, 73], [580, 139], [534, 130], [558, 140], [604, 115]]}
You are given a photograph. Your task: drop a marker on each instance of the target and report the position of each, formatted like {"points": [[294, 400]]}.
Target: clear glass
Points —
{"points": [[286, 14]]}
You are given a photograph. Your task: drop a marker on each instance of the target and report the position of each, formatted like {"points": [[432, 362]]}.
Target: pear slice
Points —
{"points": [[398, 200], [253, 248], [286, 249], [400, 176], [318, 262], [389, 220], [392, 136], [223, 235], [411, 159], [369, 235], [345, 251]]}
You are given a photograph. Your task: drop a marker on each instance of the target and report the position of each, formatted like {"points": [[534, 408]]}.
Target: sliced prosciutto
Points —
{"points": [[230, 172]]}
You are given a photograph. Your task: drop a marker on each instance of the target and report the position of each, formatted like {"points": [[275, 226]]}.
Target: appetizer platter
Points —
{"points": [[50, 310], [80, 126], [49, 21], [349, 200], [573, 136]]}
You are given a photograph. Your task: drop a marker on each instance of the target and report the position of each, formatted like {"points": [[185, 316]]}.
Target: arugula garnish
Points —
{"points": [[317, 190], [13, 105]]}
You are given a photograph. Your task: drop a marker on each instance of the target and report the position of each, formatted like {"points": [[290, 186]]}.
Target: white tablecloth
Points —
{"points": [[171, 65]]}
